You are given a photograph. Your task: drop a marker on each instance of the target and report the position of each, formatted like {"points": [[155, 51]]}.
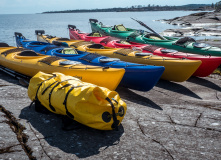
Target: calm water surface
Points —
{"points": [[56, 24]]}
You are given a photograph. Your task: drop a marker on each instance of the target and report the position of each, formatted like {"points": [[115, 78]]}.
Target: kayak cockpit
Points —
{"points": [[96, 46], [28, 54], [65, 52], [4, 45], [153, 36], [37, 43], [95, 34]]}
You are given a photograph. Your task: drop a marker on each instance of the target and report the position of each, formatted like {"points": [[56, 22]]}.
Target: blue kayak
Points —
{"points": [[137, 76]]}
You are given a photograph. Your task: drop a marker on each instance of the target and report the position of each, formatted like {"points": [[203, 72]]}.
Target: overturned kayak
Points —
{"points": [[86, 103], [185, 44], [29, 63], [137, 76], [209, 63]]}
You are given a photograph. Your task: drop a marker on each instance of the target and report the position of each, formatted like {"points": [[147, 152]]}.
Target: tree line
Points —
{"points": [[138, 8], [217, 6]]}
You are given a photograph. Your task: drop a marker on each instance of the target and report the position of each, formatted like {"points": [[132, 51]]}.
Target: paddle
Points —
{"points": [[144, 25], [23, 80]]}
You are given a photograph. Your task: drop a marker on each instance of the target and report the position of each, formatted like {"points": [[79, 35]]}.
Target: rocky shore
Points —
{"points": [[196, 19], [197, 24], [172, 121], [193, 31]]}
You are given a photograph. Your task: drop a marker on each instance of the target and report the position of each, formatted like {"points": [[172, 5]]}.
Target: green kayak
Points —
{"points": [[185, 44]]}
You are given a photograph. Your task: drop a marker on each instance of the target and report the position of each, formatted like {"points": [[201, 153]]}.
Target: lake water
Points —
{"points": [[56, 24]]}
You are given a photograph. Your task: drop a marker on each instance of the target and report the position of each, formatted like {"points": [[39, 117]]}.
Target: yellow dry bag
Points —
{"points": [[86, 103]]}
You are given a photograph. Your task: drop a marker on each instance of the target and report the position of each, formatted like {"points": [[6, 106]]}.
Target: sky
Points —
{"points": [[39, 6]]}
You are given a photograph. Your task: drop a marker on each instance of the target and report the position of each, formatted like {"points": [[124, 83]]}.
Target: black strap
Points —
{"points": [[48, 87], [31, 104], [66, 85], [116, 122], [53, 84], [36, 96], [65, 101], [50, 105], [52, 108], [114, 100]]}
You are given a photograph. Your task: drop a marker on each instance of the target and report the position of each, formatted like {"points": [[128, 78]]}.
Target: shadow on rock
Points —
{"points": [[82, 142], [136, 98], [171, 86], [205, 83]]}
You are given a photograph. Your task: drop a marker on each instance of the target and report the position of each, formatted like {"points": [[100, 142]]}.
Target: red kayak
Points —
{"points": [[209, 63], [75, 33]]}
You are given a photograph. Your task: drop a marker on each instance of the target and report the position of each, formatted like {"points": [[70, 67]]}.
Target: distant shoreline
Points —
{"points": [[139, 8], [118, 11]]}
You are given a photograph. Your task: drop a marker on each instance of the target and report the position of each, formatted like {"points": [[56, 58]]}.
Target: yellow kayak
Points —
{"points": [[176, 69], [86, 103], [30, 63]]}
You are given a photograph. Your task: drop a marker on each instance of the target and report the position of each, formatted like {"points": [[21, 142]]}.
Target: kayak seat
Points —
{"points": [[97, 46], [4, 45], [120, 27], [153, 36], [123, 42], [69, 51], [28, 53], [95, 34]]}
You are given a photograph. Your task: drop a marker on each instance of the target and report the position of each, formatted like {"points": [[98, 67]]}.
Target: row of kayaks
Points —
{"points": [[82, 72], [176, 69], [93, 57], [186, 44]]}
